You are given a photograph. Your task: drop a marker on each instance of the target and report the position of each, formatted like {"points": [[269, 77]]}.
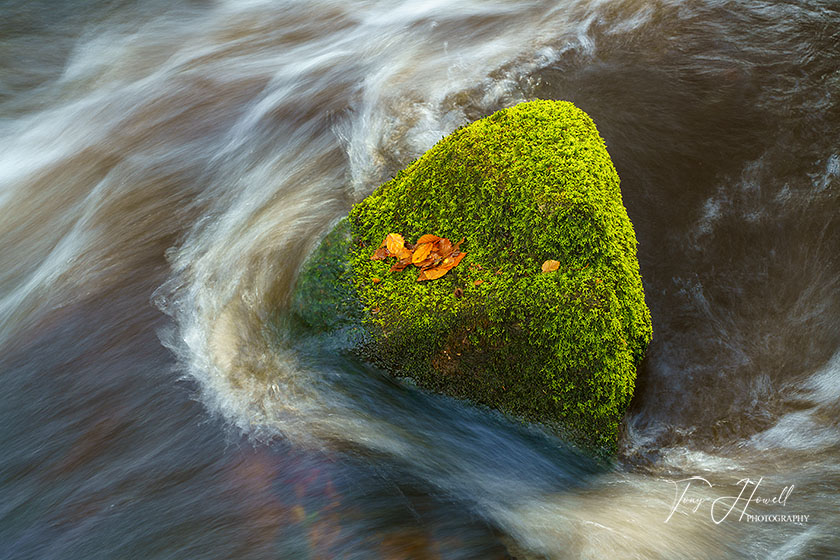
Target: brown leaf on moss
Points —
{"points": [[478, 282], [550, 266], [432, 273], [428, 262], [403, 254], [428, 238], [375, 280], [434, 255], [380, 254], [443, 247], [453, 260], [401, 264], [421, 252], [445, 266], [432, 260], [394, 242]]}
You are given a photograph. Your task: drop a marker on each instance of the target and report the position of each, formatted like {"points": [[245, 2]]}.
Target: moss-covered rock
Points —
{"points": [[324, 297], [527, 184]]}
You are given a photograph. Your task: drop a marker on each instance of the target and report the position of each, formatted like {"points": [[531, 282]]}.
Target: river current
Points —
{"points": [[166, 167]]}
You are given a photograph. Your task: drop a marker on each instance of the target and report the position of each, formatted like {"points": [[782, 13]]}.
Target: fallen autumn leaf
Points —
{"points": [[550, 266]]}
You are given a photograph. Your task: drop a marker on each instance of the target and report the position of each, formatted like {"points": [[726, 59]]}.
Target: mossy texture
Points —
{"points": [[526, 184], [324, 299]]}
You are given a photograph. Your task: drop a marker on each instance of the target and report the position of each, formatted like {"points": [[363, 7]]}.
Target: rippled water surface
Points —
{"points": [[167, 166]]}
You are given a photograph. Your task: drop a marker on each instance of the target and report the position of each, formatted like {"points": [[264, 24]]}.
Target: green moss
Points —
{"points": [[324, 299], [526, 184]]}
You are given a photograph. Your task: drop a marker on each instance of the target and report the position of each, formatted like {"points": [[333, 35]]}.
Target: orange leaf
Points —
{"points": [[452, 260], [435, 256], [428, 238], [444, 247], [375, 280], [403, 254], [421, 252], [381, 253], [432, 273], [429, 262], [394, 242], [478, 282], [401, 264], [550, 266]]}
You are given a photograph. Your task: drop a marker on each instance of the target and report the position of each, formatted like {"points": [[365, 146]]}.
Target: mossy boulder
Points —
{"points": [[524, 185]]}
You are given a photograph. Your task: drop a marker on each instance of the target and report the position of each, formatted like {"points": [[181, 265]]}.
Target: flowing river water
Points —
{"points": [[167, 166]]}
